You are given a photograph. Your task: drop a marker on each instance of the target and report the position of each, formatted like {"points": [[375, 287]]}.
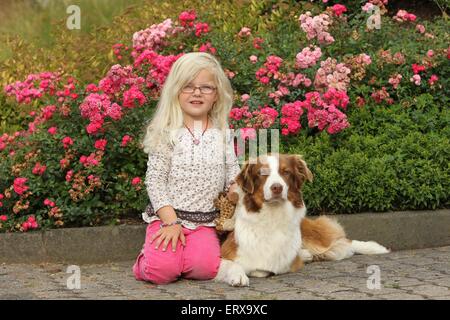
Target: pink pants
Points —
{"points": [[199, 259]]}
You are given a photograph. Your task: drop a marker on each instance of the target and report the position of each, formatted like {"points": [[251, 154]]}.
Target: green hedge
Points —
{"points": [[391, 158]]}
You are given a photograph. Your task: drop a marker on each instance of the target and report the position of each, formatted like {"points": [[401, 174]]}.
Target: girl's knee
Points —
{"points": [[158, 273], [203, 268], [210, 271]]}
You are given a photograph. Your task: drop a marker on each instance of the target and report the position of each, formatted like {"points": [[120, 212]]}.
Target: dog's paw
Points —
{"points": [[237, 277], [239, 281]]}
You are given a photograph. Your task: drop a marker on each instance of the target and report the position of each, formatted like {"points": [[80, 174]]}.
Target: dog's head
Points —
{"points": [[273, 178]]}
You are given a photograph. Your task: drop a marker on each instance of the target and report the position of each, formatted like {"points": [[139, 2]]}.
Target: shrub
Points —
{"points": [[390, 159], [332, 92]]}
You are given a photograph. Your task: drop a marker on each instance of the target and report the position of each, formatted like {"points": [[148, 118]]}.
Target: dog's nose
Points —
{"points": [[276, 188]]}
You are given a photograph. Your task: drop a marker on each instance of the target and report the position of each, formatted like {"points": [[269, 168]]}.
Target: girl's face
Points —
{"points": [[198, 96]]}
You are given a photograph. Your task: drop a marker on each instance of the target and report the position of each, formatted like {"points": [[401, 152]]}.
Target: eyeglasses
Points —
{"points": [[203, 89]]}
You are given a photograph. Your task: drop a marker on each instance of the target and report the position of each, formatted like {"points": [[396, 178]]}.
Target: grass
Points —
{"points": [[34, 20]]}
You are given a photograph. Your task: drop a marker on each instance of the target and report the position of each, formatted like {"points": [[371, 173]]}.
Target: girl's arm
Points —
{"points": [[156, 180], [158, 167], [167, 214]]}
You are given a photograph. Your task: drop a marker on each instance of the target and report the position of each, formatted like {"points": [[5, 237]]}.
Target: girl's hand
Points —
{"points": [[169, 234]]}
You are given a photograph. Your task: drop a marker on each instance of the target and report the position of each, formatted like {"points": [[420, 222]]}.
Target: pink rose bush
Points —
{"points": [[36, 86], [154, 37], [78, 160], [80, 122], [395, 79], [317, 27], [358, 65], [332, 74], [308, 58], [404, 16]]}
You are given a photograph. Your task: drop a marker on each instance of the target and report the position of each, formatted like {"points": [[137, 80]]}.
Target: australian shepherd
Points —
{"points": [[271, 234]]}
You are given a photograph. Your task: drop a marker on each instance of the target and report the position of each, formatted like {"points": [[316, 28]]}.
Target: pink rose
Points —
{"points": [[47, 202], [69, 175], [245, 32], [339, 9], [433, 79], [416, 79], [367, 7], [135, 181], [126, 138], [420, 28], [245, 97], [19, 185], [39, 169], [248, 133], [67, 141], [264, 80], [257, 43], [100, 144]]}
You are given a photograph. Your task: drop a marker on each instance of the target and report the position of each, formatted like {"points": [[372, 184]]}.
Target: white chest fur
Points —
{"points": [[270, 239]]}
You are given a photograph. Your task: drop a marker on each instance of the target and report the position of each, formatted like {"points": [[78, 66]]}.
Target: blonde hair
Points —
{"points": [[168, 118]]}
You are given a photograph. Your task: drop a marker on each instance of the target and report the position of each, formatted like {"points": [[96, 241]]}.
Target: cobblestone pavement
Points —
{"points": [[411, 274]]}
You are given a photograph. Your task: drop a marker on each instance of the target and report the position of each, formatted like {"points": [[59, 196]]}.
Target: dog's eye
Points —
{"points": [[264, 171], [285, 172]]}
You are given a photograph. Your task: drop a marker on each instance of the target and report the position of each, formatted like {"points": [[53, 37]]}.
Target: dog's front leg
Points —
{"points": [[232, 273]]}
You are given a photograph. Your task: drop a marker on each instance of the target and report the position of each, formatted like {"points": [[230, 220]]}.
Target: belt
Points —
{"points": [[192, 216]]}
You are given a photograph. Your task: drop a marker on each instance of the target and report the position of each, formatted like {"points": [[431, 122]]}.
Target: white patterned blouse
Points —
{"points": [[191, 176]]}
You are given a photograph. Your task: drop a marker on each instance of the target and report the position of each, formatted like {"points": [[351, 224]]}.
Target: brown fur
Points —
{"points": [[252, 182], [320, 235], [228, 250], [292, 169], [297, 264]]}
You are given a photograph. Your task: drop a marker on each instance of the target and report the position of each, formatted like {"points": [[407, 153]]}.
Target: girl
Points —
{"points": [[190, 160]]}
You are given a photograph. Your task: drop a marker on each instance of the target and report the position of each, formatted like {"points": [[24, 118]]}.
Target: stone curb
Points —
{"points": [[395, 230]]}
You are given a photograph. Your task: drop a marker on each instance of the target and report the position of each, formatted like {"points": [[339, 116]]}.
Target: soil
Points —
{"points": [[423, 9]]}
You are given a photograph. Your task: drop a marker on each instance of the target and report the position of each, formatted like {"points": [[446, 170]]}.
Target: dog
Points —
{"points": [[271, 234]]}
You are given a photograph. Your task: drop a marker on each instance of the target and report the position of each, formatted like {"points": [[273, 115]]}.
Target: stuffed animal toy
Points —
{"points": [[226, 205]]}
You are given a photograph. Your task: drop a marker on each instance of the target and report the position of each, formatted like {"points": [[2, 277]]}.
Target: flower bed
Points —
{"points": [[329, 82]]}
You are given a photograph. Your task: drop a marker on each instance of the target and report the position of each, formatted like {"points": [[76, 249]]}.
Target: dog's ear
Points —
{"points": [[245, 180], [302, 171]]}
